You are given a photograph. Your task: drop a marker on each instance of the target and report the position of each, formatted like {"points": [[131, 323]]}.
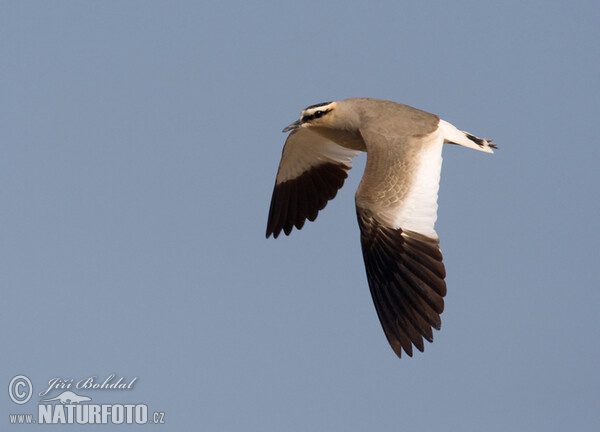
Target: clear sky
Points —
{"points": [[140, 142]]}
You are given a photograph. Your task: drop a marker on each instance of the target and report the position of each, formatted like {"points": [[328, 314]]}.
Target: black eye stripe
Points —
{"points": [[316, 114]]}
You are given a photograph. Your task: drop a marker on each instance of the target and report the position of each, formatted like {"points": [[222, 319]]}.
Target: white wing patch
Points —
{"points": [[305, 149], [418, 210]]}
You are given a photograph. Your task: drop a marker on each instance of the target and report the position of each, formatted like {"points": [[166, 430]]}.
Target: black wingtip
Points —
{"points": [[406, 278], [296, 200]]}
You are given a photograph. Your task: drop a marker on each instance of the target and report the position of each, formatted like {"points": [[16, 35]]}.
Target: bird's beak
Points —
{"points": [[293, 126]]}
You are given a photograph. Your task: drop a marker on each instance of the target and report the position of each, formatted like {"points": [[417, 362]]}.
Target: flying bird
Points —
{"points": [[396, 201]]}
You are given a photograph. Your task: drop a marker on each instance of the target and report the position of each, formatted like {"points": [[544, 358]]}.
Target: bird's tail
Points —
{"points": [[455, 136]]}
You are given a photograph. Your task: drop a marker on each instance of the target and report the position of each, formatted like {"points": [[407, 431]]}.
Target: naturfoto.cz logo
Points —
{"points": [[70, 407]]}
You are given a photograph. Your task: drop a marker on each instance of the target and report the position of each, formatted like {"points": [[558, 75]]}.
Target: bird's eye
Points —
{"points": [[318, 114]]}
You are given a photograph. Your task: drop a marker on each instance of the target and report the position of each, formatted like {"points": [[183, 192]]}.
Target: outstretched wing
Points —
{"points": [[311, 171], [406, 279], [397, 208]]}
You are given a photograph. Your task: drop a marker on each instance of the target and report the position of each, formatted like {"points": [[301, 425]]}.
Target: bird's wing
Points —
{"points": [[311, 171], [397, 208]]}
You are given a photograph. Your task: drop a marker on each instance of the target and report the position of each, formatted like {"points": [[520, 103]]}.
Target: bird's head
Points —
{"points": [[323, 115]]}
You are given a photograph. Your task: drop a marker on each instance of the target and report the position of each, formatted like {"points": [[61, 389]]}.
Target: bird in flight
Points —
{"points": [[396, 201]]}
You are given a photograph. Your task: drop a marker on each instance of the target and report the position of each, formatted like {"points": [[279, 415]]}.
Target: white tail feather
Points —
{"points": [[455, 136]]}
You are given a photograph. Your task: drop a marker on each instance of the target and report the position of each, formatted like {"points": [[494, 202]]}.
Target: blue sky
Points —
{"points": [[140, 143]]}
